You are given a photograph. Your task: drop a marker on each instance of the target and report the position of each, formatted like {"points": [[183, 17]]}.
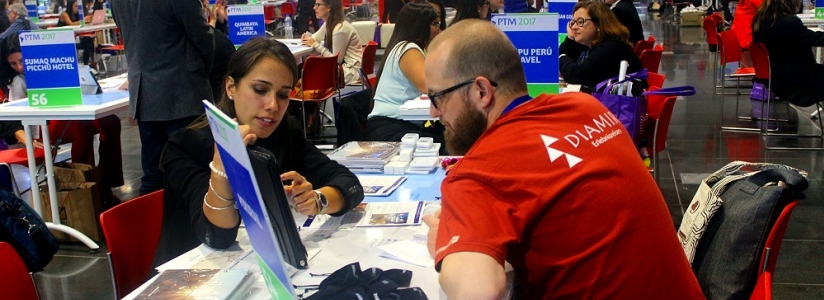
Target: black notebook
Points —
{"points": [[267, 171]]}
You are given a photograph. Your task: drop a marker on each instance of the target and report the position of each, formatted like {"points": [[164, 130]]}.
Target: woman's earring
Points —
{"points": [[231, 98]]}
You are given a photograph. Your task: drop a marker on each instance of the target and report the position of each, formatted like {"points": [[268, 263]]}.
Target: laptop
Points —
{"points": [[98, 17], [88, 84]]}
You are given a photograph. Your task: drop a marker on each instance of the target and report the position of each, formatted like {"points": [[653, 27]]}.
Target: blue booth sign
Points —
{"points": [[52, 76], [535, 36], [245, 22], [819, 9], [31, 6], [564, 10]]}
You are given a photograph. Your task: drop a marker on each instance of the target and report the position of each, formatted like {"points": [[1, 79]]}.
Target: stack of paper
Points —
{"points": [[365, 157], [416, 107], [423, 165]]}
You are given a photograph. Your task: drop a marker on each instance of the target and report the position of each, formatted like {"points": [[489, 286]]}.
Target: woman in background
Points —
{"points": [[470, 9], [70, 17], [401, 76], [336, 36], [199, 206], [595, 46]]}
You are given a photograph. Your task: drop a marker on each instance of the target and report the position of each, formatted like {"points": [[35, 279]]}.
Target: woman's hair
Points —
{"points": [[335, 17], [467, 9], [609, 28], [69, 5], [10, 46], [439, 3], [247, 57], [770, 10], [413, 26]]}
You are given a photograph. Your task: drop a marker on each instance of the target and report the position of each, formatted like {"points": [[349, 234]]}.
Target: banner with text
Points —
{"points": [[245, 22], [819, 9], [52, 76], [250, 203], [564, 10], [535, 36], [31, 6]]}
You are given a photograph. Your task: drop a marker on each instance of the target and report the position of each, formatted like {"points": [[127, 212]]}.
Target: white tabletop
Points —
{"points": [[298, 50], [46, 23], [87, 28], [94, 106]]}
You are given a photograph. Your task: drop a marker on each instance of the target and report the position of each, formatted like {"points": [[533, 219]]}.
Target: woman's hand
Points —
{"points": [[300, 193], [249, 138], [220, 12], [307, 40], [569, 32], [124, 86]]}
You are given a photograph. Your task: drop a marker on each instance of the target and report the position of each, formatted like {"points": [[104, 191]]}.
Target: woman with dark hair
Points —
{"points": [[198, 206], [336, 36], [70, 17], [401, 77], [796, 77], [595, 46], [441, 11], [470, 9], [79, 133]]}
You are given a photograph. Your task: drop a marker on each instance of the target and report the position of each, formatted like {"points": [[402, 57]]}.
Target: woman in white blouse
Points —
{"points": [[343, 39]]}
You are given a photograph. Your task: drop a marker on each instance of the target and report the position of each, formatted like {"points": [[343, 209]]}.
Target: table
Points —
{"points": [[46, 23], [94, 107], [298, 50], [90, 28], [809, 20], [339, 247]]}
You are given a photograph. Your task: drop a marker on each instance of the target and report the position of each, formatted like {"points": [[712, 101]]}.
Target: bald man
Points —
{"points": [[553, 185]]}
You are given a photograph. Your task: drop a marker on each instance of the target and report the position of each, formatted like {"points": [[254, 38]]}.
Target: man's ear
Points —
{"points": [[485, 91]]}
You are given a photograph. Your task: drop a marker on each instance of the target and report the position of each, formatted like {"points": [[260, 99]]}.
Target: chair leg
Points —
{"points": [[111, 275], [303, 117]]}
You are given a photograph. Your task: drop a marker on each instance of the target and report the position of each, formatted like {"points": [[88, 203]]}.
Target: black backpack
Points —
{"points": [[23, 228]]}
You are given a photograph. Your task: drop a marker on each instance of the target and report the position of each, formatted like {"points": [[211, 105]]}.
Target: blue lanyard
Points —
{"points": [[515, 103]]}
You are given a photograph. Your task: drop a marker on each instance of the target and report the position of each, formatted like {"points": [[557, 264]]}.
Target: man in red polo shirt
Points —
{"points": [[553, 185]]}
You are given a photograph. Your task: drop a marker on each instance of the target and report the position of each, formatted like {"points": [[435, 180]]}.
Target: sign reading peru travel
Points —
{"points": [[245, 22], [52, 77], [564, 10], [535, 36]]}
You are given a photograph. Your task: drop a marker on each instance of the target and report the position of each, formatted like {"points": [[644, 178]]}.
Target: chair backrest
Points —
{"points": [[366, 31], [643, 45], [773, 245], [132, 231], [287, 8], [320, 73], [386, 33], [660, 108], [651, 59], [729, 49], [15, 280], [651, 38], [269, 12], [763, 287], [711, 31], [760, 60], [717, 18], [655, 79], [368, 58]]}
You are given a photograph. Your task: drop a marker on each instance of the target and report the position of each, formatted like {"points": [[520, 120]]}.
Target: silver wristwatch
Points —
{"points": [[321, 202]]}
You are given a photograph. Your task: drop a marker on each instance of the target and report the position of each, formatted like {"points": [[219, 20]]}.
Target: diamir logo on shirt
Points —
{"points": [[554, 154]]}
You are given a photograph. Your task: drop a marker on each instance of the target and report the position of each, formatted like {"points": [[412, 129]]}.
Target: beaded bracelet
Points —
{"points": [[233, 205], [216, 171]]}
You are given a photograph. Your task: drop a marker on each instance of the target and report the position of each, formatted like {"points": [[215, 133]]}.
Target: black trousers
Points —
{"points": [[87, 44], [153, 138], [303, 22]]}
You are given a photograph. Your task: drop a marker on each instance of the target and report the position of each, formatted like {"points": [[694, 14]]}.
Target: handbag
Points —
{"points": [[628, 109], [25, 230]]}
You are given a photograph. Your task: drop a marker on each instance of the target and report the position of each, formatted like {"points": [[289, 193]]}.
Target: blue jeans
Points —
{"points": [[153, 138]]}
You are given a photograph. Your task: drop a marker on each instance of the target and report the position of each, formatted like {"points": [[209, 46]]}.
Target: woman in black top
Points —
{"points": [[595, 46], [198, 205], [70, 17], [470, 9], [796, 76]]}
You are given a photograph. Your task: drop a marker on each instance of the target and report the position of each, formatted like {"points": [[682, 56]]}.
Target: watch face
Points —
{"points": [[323, 200]]}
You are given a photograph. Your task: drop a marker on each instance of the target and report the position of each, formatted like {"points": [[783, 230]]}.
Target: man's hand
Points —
{"points": [[432, 221]]}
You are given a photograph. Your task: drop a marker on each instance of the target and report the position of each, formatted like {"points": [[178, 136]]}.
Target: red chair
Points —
{"points": [[319, 74], [644, 45], [16, 281], [269, 15], [132, 231], [761, 62], [368, 64], [659, 111], [19, 157], [769, 255], [651, 59], [655, 80], [287, 8], [763, 287]]}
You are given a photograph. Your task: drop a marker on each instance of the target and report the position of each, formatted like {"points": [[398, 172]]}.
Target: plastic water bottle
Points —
{"points": [[80, 10], [287, 27]]}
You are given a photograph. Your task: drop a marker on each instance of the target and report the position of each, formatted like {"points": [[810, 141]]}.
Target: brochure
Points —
{"points": [[380, 186], [375, 214], [198, 284]]}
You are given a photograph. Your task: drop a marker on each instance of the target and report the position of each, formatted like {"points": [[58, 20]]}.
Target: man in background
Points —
{"points": [[169, 50], [552, 185], [626, 13]]}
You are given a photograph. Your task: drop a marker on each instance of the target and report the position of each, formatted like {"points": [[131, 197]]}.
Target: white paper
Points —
{"points": [[391, 213], [408, 252], [380, 185]]}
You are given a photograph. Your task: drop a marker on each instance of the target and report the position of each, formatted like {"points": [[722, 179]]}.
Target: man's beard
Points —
{"points": [[471, 124]]}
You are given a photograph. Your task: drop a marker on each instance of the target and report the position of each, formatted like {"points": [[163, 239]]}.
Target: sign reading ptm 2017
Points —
{"points": [[50, 59], [245, 22], [535, 36]]}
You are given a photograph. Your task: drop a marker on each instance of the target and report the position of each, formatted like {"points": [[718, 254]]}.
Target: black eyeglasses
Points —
{"points": [[433, 96], [579, 21]]}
